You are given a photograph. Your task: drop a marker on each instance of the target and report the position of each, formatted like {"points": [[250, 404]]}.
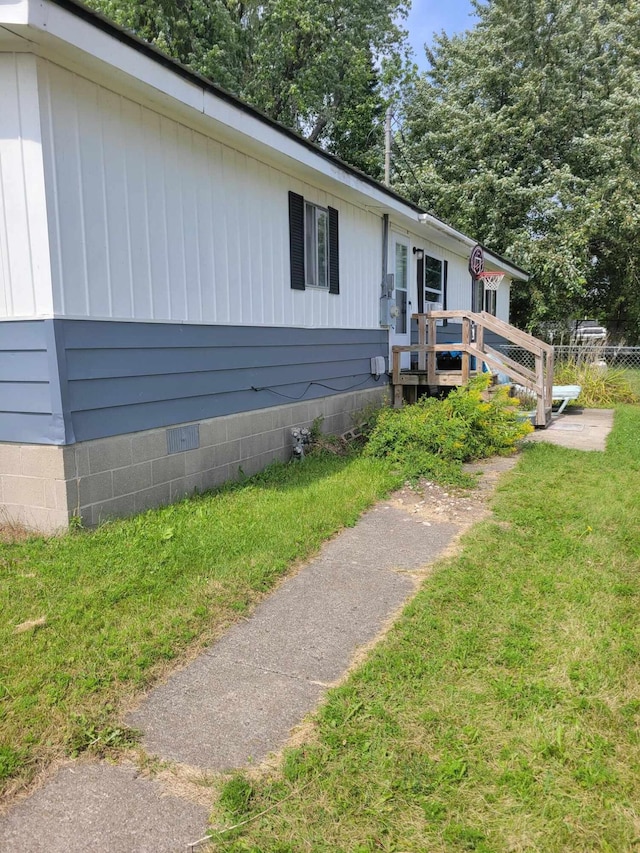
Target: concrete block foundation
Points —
{"points": [[43, 486]]}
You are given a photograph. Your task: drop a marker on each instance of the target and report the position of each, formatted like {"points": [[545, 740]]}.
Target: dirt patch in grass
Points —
{"points": [[12, 532], [435, 503]]}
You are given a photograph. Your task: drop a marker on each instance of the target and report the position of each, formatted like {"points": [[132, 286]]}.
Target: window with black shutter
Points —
{"points": [[313, 245]]}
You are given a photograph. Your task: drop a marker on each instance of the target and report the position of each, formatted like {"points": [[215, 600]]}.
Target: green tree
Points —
{"points": [[214, 37], [328, 69], [524, 132]]}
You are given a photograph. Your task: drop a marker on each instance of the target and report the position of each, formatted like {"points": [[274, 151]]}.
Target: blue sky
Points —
{"points": [[429, 16]]}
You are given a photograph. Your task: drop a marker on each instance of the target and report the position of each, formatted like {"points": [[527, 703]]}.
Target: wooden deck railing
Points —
{"points": [[472, 345]]}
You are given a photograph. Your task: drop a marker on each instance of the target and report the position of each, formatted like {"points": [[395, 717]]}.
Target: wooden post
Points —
{"points": [[397, 387], [395, 370], [422, 339], [466, 343], [431, 355], [541, 415], [479, 343], [548, 401]]}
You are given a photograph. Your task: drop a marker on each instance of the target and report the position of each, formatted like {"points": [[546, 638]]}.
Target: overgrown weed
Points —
{"points": [[433, 437], [602, 386], [12, 531]]}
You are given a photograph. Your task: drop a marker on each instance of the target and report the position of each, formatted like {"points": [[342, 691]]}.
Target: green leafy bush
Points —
{"points": [[434, 437]]}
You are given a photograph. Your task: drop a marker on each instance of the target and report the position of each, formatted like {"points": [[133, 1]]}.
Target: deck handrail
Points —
{"points": [[539, 380]]}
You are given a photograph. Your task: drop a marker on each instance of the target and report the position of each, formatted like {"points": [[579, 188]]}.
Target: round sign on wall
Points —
{"points": [[476, 261]]}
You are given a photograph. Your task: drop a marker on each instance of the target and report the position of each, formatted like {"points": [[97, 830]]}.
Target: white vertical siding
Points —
{"points": [[25, 275], [139, 206], [151, 220], [503, 298], [458, 283]]}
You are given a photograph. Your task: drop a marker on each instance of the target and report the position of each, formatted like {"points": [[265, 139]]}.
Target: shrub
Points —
{"points": [[601, 386], [434, 437]]}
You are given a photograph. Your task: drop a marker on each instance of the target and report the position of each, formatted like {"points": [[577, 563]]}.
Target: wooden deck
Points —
{"points": [[472, 346]]}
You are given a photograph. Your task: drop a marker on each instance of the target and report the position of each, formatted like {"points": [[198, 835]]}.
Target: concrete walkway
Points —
{"points": [[237, 702], [578, 429]]}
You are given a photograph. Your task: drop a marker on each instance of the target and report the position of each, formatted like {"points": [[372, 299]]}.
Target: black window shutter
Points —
{"points": [[334, 255], [296, 240], [420, 284], [445, 276]]}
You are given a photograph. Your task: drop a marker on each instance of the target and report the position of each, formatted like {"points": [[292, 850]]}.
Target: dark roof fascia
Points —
{"points": [[125, 36]]}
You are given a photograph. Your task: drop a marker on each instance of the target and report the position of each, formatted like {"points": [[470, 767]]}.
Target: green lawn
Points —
{"points": [[116, 605], [502, 712]]}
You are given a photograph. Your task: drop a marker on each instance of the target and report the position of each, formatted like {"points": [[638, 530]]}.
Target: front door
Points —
{"points": [[401, 328]]}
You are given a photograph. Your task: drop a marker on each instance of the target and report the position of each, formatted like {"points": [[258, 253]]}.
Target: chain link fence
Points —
{"points": [[612, 356]]}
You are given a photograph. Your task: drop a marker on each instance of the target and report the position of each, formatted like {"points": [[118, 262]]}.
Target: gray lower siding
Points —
{"points": [[66, 381], [31, 408], [43, 486]]}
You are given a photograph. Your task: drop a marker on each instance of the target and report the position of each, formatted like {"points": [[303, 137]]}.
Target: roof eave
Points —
{"points": [[19, 13]]}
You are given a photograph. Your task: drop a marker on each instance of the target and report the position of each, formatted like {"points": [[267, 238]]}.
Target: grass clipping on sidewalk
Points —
{"points": [[501, 713]]}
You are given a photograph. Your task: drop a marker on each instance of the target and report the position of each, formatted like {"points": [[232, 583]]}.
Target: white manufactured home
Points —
{"points": [[182, 280]]}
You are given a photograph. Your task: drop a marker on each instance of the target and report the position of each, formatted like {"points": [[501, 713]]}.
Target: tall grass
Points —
{"points": [[602, 386], [632, 375]]}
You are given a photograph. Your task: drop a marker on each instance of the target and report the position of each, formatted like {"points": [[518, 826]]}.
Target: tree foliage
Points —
{"points": [[323, 67], [525, 133]]}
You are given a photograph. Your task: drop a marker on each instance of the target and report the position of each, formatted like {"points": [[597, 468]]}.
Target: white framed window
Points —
{"points": [[401, 286], [433, 279], [490, 302], [314, 250], [316, 245]]}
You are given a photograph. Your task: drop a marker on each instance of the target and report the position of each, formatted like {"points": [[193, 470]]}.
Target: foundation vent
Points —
{"points": [[183, 438]]}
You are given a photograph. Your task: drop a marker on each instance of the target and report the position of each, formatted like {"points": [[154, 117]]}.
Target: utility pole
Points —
{"points": [[387, 147]]}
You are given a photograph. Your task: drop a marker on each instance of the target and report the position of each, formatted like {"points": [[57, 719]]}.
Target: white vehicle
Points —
{"points": [[590, 330]]}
